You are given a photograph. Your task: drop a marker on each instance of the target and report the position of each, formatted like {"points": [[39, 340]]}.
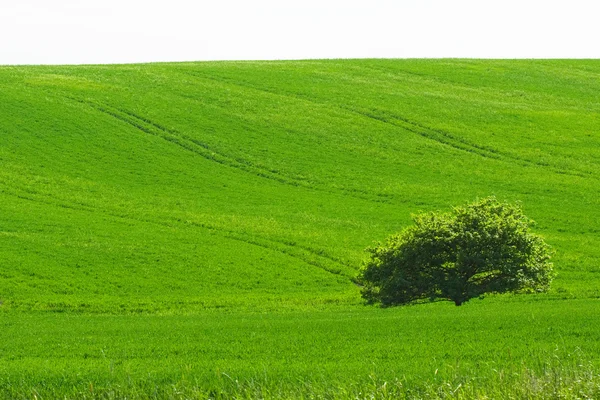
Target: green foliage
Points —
{"points": [[483, 247]]}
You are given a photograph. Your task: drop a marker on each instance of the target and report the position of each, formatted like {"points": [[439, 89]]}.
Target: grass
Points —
{"points": [[422, 348], [192, 230]]}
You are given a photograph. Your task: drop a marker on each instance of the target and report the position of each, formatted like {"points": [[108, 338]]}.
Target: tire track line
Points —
{"points": [[450, 140], [205, 151], [315, 258], [438, 135], [372, 114], [187, 143]]}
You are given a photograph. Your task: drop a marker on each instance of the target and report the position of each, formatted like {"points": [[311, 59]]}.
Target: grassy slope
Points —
{"points": [[255, 187]]}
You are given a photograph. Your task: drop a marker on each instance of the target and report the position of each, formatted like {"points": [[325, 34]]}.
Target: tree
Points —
{"points": [[483, 247]]}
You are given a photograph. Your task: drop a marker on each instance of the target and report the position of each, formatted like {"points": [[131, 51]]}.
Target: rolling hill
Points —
{"points": [[237, 191]]}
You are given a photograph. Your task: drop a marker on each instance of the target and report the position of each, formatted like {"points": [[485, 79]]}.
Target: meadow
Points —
{"points": [[193, 230]]}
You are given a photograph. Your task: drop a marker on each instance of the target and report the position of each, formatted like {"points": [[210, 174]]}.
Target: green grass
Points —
{"points": [[193, 229], [330, 351]]}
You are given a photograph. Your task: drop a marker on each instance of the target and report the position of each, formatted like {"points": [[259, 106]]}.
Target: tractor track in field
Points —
{"points": [[434, 134], [306, 254], [205, 151], [283, 247], [185, 142], [448, 139]]}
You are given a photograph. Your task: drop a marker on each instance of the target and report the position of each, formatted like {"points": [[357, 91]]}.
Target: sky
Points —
{"points": [[131, 31]]}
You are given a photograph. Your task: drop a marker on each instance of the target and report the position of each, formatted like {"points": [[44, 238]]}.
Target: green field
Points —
{"points": [[193, 230]]}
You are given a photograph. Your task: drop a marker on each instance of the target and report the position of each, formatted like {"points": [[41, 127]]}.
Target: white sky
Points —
{"points": [[123, 31]]}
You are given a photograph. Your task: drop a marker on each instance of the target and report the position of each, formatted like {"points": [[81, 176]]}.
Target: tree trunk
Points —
{"points": [[457, 302]]}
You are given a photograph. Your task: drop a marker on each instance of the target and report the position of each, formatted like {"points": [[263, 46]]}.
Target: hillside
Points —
{"points": [[254, 187]]}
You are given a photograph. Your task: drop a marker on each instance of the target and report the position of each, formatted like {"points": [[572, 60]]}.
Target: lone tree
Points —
{"points": [[483, 247]]}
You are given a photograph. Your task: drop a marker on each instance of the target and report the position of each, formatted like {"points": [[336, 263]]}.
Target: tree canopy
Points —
{"points": [[483, 247]]}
